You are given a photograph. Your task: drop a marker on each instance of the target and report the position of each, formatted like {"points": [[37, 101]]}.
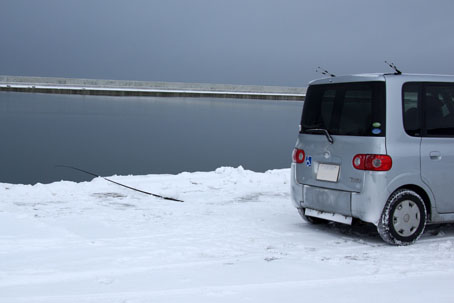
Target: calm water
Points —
{"points": [[113, 135]]}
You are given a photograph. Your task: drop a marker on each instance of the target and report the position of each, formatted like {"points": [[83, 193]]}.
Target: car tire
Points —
{"points": [[403, 219], [308, 219]]}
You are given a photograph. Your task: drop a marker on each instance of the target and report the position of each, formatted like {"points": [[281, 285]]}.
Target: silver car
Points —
{"points": [[378, 148]]}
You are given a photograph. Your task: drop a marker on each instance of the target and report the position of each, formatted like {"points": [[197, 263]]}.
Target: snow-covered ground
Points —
{"points": [[236, 238]]}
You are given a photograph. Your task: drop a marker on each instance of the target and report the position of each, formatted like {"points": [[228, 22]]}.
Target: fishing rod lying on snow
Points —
{"points": [[140, 191]]}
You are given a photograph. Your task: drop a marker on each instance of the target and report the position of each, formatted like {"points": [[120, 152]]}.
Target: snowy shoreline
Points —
{"points": [[236, 238]]}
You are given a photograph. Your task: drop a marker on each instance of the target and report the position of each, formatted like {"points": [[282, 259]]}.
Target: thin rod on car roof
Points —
{"points": [[394, 67], [324, 72]]}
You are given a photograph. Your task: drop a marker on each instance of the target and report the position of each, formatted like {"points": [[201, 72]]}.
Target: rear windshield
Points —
{"points": [[350, 109]]}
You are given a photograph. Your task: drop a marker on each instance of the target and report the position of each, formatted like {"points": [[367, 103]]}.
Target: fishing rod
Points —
{"points": [[140, 191]]}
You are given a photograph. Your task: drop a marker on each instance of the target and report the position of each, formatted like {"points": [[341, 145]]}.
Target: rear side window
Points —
{"points": [[411, 95], [350, 109]]}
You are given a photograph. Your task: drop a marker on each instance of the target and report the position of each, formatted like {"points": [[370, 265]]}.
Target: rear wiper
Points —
{"points": [[321, 130]]}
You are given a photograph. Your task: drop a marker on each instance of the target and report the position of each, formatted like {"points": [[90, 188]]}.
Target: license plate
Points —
{"points": [[328, 172]]}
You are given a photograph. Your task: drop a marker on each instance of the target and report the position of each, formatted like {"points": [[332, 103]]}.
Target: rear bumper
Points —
{"points": [[366, 206], [327, 200]]}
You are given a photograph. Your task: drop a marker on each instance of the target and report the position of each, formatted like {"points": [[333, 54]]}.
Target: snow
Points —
{"points": [[236, 238]]}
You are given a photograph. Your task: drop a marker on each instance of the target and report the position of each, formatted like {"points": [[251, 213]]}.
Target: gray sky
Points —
{"points": [[264, 42]]}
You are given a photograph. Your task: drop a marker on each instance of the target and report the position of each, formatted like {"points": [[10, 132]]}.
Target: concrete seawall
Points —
{"points": [[144, 88]]}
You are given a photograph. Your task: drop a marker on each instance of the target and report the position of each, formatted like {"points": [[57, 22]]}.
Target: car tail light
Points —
{"points": [[372, 162], [298, 155]]}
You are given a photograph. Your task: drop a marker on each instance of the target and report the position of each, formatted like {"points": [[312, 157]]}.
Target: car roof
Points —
{"points": [[384, 77]]}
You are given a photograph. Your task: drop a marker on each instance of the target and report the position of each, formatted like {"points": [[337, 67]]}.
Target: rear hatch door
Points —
{"points": [[340, 121]]}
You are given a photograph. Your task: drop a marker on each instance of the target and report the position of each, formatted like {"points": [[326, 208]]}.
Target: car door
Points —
{"points": [[437, 144]]}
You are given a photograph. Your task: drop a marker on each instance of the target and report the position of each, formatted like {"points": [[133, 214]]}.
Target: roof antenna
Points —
{"points": [[324, 72], [394, 67]]}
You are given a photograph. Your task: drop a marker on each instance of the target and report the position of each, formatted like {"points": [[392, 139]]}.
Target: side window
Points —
{"points": [[410, 100], [439, 110]]}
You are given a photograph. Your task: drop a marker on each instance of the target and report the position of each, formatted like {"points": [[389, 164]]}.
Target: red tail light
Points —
{"points": [[298, 155], [372, 162]]}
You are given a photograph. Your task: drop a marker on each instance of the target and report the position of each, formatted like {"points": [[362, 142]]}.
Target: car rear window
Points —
{"points": [[350, 109]]}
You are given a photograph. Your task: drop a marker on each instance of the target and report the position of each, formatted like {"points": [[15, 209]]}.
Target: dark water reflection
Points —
{"points": [[112, 135]]}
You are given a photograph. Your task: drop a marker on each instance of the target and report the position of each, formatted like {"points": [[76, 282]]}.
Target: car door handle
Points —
{"points": [[435, 155]]}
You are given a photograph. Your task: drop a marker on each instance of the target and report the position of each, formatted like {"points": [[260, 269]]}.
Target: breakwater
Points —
{"points": [[73, 86]]}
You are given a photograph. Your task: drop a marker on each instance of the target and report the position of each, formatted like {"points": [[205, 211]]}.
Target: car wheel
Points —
{"points": [[308, 219], [403, 219]]}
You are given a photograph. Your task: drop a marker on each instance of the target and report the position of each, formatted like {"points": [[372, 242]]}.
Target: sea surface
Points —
{"points": [[140, 135]]}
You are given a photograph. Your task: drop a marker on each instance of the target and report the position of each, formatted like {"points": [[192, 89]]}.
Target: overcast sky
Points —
{"points": [[263, 42]]}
